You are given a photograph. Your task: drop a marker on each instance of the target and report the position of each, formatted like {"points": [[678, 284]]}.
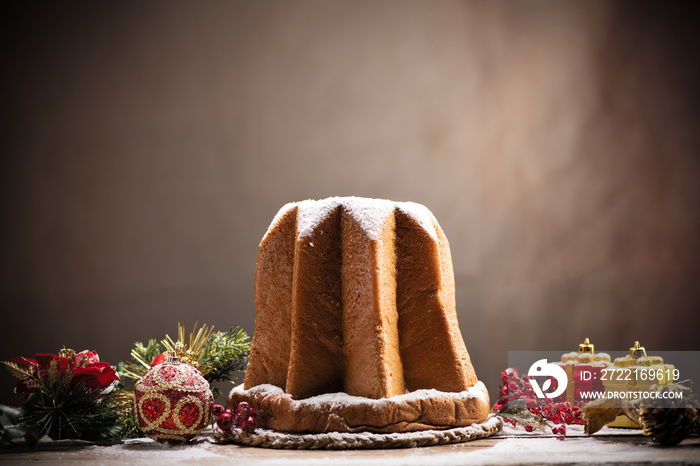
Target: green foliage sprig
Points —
{"points": [[140, 362], [225, 353]]}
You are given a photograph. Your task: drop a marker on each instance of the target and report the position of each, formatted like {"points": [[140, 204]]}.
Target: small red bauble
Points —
{"points": [[225, 421], [217, 410], [172, 402], [248, 424]]}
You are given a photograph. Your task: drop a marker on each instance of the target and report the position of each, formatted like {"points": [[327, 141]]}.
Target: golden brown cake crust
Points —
{"points": [[339, 412], [432, 348], [269, 355], [316, 311]]}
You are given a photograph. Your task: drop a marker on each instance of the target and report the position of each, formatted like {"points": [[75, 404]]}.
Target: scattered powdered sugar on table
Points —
{"points": [[508, 451], [146, 450], [580, 449], [513, 450]]}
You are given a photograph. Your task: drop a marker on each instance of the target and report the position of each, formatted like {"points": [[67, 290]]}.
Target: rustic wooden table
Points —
{"points": [[610, 446]]}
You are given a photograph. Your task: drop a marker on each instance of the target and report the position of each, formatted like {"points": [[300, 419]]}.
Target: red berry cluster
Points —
{"points": [[243, 417], [560, 413]]}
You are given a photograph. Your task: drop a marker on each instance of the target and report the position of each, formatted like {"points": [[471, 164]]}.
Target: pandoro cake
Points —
{"points": [[356, 327]]}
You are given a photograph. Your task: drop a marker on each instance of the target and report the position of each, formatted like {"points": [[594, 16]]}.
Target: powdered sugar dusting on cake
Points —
{"points": [[311, 213], [421, 214], [280, 213], [340, 398], [371, 214], [331, 400]]}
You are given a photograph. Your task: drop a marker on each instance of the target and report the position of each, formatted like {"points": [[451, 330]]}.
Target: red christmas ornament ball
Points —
{"points": [[173, 402]]}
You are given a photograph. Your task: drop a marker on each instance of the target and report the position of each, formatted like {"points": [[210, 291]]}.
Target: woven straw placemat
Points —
{"points": [[345, 441]]}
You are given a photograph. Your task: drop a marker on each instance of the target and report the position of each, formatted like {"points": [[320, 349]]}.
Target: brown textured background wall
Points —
{"points": [[146, 147]]}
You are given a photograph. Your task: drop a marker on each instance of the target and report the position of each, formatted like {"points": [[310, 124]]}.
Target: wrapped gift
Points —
{"points": [[636, 372], [583, 371]]}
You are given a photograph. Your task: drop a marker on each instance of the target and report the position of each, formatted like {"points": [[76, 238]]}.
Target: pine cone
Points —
{"points": [[671, 425]]}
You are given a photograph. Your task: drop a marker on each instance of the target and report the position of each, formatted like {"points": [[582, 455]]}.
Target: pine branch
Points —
{"points": [[81, 413], [225, 353], [141, 357]]}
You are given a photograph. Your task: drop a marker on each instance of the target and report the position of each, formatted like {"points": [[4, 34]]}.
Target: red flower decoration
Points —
{"points": [[97, 375], [45, 361], [85, 368], [86, 357], [25, 361]]}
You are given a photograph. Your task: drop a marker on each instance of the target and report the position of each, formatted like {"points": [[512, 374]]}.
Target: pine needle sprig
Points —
{"points": [[126, 421], [224, 354], [65, 411], [141, 357], [80, 413]]}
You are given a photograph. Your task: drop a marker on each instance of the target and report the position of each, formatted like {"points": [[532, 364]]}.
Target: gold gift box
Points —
{"points": [[636, 372], [586, 360]]}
